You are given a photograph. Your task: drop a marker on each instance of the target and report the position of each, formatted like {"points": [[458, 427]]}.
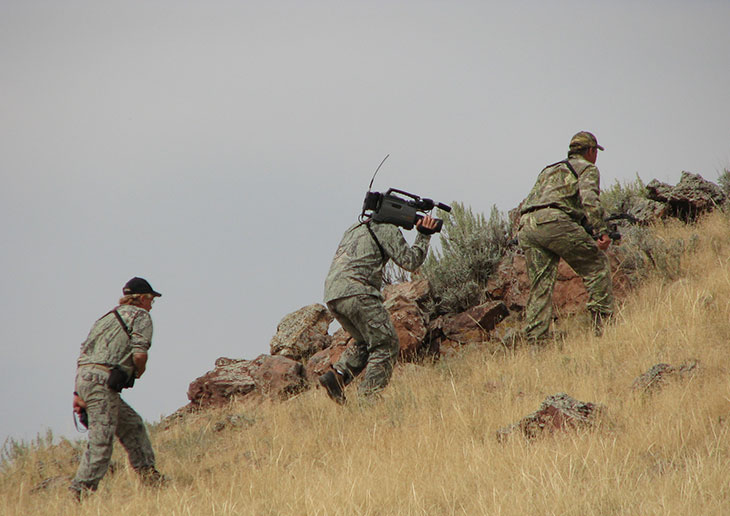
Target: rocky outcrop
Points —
{"points": [[692, 196], [658, 376], [303, 333], [646, 211], [274, 377], [558, 412]]}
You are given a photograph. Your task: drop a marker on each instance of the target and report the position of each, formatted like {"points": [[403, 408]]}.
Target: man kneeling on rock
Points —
{"points": [[352, 293]]}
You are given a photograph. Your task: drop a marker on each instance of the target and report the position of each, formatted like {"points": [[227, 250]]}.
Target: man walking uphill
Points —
{"points": [[352, 293], [112, 357], [563, 218]]}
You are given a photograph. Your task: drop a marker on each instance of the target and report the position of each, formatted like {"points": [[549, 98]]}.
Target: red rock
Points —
{"points": [[274, 377], [558, 412]]}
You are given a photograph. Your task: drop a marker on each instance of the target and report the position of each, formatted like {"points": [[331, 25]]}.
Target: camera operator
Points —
{"points": [[112, 356], [352, 293]]}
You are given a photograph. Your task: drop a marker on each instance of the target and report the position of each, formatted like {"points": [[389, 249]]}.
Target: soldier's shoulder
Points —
{"points": [[134, 312], [581, 164]]}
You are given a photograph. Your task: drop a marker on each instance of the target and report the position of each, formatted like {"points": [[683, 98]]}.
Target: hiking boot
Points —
{"points": [[333, 382]]}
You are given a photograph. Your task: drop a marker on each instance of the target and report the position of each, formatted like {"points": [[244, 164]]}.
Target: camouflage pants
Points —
{"points": [[546, 236], [376, 342], [109, 415]]}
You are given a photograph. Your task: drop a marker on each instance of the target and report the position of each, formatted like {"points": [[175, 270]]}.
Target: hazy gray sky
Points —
{"points": [[220, 149]]}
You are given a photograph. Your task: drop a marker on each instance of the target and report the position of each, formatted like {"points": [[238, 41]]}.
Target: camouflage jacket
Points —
{"points": [[109, 344], [557, 187], [357, 267]]}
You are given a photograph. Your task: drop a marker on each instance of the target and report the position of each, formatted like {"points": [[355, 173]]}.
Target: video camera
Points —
{"points": [[400, 210]]}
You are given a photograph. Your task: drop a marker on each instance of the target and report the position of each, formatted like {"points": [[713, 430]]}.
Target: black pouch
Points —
{"points": [[84, 418], [118, 379]]}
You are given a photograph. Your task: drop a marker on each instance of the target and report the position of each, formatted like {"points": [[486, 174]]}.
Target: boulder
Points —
{"points": [[301, 334], [658, 191], [646, 211], [558, 412], [409, 322], [509, 282], [417, 291], [274, 377], [474, 324], [691, 197]]}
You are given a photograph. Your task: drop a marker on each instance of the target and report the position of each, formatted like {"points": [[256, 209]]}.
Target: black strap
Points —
{"points": [[567, 163], [121, 321], [372, 233]]}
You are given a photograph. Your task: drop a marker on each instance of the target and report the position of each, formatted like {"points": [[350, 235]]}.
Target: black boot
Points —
{"points": [[334, 383]]}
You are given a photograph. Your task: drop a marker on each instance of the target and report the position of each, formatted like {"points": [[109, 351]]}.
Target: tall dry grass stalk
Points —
{"points": [[429, 448]]}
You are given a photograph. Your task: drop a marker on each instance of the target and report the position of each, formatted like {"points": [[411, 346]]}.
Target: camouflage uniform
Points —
{"points": [[108, 413], [550, 228], [352, 293]]}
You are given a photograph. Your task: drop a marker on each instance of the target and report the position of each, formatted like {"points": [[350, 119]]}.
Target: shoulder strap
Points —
{"points": [[126, 330], [565, 162], [372, 233], [121, 321]]}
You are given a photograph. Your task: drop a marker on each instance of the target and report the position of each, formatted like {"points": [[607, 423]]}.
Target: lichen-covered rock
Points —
{"points": [[302, 333], [692, 196], [660, 374], [557, 412], [274, 377]]}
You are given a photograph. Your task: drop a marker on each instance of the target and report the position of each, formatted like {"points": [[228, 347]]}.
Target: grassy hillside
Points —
{"points": [[429, 446]]}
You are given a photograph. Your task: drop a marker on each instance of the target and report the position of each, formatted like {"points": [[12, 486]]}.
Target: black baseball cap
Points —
{"points": [[139, 286]]}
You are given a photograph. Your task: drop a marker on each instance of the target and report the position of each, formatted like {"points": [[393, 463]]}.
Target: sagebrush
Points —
{"points": [[471, 248]]}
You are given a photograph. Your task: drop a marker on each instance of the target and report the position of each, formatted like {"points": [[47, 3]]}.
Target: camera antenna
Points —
{"points": [[376, 172], [362, 217]]}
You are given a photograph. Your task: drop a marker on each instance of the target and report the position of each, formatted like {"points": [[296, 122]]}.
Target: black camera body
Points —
{"points": [[403, 210]]}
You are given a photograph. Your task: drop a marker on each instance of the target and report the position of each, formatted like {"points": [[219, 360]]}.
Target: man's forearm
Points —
{"points": [[140, 363]]}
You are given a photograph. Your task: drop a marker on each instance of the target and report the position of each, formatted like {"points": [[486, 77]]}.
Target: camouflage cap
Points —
{"points": [[584, 140]]}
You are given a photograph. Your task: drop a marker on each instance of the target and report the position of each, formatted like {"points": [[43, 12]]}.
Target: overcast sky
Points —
{"points": [[220, 149]]}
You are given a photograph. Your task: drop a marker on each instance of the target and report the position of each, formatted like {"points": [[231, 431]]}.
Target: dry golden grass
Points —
{"points": [[429, 446]]}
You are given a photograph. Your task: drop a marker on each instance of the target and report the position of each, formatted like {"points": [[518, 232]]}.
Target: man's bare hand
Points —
{"points": [[78, 404], [603, 242], [428, 224]]}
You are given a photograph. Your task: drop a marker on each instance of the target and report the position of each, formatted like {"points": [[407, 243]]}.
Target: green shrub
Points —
{"points": [[622, 197], [471, 248]]}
